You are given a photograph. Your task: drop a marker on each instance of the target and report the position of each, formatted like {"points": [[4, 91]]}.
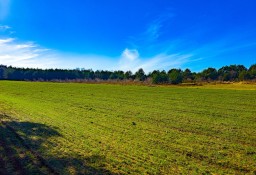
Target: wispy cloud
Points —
{"points": [[153, 31], [24, 54], [4, 27], [159, 50], [226, 45], [8, 40], [29, 54], [164, 54], [229, 49], [130, 60], [6, 30], [165, 62]]}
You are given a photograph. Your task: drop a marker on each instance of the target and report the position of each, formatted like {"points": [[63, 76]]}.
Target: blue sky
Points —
{"points": [[127, 34]]}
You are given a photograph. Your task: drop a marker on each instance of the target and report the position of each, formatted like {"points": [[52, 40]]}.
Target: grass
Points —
{"points": [[113, 129]]}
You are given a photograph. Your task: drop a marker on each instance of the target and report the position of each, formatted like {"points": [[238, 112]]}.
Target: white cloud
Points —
{"points": [[7, 40], [24, 54], [165, 54], [165, 61], [131, 61], [130, 54], [29, 54]]}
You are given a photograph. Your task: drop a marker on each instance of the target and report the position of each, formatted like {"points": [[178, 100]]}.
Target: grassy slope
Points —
{"points": [[137, 129]]}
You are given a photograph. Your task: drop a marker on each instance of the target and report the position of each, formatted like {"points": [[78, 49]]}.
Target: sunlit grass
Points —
{"points": [[137, 129]]}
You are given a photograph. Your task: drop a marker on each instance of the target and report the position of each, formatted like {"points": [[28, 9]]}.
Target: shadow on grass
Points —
{"points": [[21, 149]]}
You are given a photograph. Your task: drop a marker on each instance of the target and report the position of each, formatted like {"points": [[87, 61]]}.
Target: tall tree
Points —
{"points": [[187, 75], [140, 75], [3, 72], [175, 76], [252, 71], [209, 74], [159, 77], [128, 75]]}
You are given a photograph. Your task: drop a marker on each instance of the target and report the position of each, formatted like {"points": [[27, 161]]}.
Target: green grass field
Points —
{"points": [[72, 128]]}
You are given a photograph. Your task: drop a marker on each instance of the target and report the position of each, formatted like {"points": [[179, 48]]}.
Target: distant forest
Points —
{"points": [[173, 76]]}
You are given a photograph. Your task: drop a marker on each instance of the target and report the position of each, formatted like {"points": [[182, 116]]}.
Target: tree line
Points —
{"points": [[173, 76]]}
